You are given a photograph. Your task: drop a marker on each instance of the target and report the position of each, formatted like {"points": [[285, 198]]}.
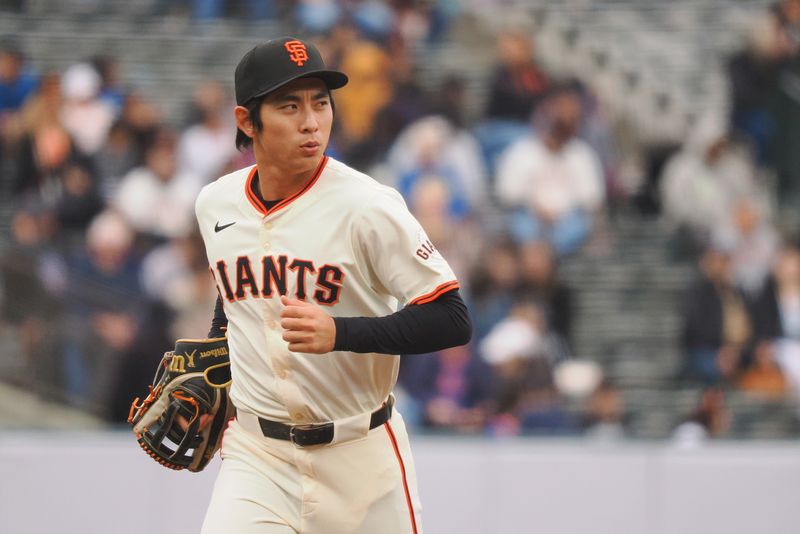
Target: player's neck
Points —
{"points": [[275, 182]]}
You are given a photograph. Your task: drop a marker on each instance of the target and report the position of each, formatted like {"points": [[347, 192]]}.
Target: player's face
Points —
{"points": [[297, 123]]}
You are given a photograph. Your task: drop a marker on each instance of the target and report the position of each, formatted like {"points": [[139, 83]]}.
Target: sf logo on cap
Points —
{"points": [[297, 52]]}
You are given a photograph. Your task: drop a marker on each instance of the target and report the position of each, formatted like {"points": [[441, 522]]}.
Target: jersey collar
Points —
{"points": [[255, 197]]}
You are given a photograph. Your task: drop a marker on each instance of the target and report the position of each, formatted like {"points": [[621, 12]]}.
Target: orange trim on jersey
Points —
{"points": [[393, 439], [436, 293], [248, 191], [259, 205]]}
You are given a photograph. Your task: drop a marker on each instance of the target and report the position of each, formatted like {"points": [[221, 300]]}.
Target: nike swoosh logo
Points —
{"points": [[218, 228]]}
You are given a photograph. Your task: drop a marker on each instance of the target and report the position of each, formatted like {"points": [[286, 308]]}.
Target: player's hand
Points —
{"points": [[184, 424], [307, 327]]}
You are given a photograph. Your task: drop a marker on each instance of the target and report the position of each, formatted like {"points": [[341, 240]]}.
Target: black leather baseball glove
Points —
{"points": [[181, 421]]}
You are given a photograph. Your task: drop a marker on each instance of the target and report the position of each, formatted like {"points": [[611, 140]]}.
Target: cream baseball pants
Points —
{"points": [[269, 486]]}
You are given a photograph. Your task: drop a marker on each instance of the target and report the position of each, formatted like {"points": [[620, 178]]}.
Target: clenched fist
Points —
{"points": [[307, 327]]}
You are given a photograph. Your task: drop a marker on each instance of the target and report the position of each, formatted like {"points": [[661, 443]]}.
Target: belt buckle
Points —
{"points": [[293, 434]]}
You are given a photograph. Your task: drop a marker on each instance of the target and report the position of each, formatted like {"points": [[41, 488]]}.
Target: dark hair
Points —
{"points": [[243, 142]]}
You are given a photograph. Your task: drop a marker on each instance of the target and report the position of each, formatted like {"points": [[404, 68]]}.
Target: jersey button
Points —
{"points": [[268, 225], [282, 374], [298, 416], [266, 246]]}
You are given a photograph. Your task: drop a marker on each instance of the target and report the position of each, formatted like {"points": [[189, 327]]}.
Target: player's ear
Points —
{"points": [[243, 121]]}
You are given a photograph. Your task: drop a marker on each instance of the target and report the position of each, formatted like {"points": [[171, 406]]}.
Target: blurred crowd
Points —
{"points": [[102, 266]]}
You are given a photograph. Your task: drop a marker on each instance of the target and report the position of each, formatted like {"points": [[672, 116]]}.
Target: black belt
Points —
{"points": [[317, 434]]}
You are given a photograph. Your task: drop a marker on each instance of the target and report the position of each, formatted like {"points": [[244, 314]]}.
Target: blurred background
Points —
{"points": [[616, 184]]}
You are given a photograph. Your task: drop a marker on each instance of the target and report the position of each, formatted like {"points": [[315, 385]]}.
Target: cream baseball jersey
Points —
{"points": [[344, 242]]}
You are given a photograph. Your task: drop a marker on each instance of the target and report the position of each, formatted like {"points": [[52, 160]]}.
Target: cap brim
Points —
{"points": [[333, 80]]}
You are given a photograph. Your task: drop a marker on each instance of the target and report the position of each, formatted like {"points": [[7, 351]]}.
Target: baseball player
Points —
{"points": [[324, 278]]}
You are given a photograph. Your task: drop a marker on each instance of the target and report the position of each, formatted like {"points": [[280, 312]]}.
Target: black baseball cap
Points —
{"points": [[275, 63]]}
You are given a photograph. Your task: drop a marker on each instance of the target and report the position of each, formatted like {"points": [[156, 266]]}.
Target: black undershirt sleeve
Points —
{"points": [[416, 329], [219, 323]]}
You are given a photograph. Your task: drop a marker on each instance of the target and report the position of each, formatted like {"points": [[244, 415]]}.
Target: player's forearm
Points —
{"points": [[416, 329]]}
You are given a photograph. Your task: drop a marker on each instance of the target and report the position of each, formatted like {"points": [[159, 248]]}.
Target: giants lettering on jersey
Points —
{"points": [[270, 276]]}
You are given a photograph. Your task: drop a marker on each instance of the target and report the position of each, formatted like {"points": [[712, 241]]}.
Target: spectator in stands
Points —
{"points": [[450, 101], [32, 279], [431, 148], [85, 115], [45, 146], [710, 419], [334, 43], [17, 83], [517, 86], [541, 412], [522, 351], [206, 147], [599, 130], [449, 388], [24, 293], [155, 199], [753, 243], [430, 200], [605, 413], [539, 282], [408, 104], [777, 314], [754, 75], [136, 363], [523, 333], [116, 158], [17, 79], [717, 327], [553, 183], [176, 274], [783, 156], [78, 201], [493, 285], [369, 90], [518, 83], [143, 120], [515, 338], [111, 89], [102, 276], [702, 183]]}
